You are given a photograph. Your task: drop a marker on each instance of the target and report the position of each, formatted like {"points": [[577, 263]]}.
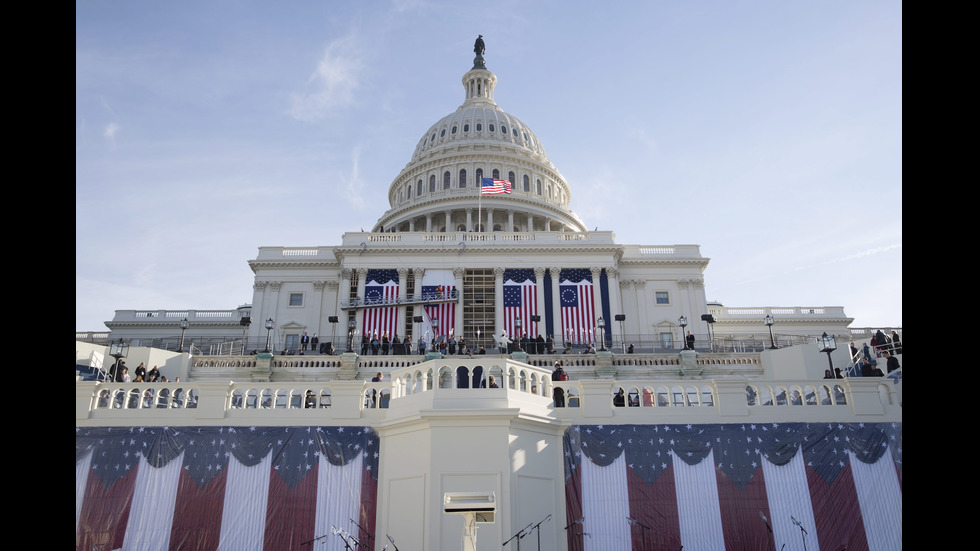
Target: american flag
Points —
{"points": [[381, 288], [494, 187], [735, 486], [205, 488], [577, 306], [520, 302]]}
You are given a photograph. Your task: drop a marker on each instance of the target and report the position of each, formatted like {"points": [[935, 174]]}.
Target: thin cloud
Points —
{"points": [[110, 132], [332, 84]]}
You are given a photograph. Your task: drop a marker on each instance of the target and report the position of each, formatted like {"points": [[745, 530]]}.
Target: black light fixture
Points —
{"points": [[118, 350], [183, 327], [828, 344], [269, 325], [769, 323], [709, 319], [601, 323], [245, 322], [622, 331]]}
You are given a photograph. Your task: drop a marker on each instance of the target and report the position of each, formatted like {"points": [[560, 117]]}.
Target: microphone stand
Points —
{"points": [[518, 535], [366, 533], [579, 521], [643, 526], [802, 531], [314, 539], [772, 537], [538, 528], [392, 540]]}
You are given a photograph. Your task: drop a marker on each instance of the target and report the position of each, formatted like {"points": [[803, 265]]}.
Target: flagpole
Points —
{"points": [[479, 205]]}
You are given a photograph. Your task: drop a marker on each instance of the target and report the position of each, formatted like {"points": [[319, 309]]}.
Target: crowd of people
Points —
{"points": [[865, 359], [119, 373]]}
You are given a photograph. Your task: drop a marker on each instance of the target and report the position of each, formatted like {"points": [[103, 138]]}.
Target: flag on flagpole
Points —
{"points": [[491, 186]]}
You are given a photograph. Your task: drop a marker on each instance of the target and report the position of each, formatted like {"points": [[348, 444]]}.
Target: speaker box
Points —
{"points": [[333, 319], [535, 318], [247, 320], [620, 317]]}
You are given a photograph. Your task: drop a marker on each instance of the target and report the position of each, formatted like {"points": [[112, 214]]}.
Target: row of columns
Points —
{"points": [[329, 294], [471, 226]]}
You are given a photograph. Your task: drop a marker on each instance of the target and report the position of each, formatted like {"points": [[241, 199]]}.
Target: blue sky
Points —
{"points": [[767, 132]]}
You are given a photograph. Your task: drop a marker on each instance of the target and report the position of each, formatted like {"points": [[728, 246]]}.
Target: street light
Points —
{"points": [[183, 327], [269, 325], [117, 350], [828, 344], [601, 323], [769, 323], [682, 321], [517, 328], [351, 324]]}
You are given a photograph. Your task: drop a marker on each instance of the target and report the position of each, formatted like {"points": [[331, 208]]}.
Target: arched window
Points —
{"points": [[511, 177], [479, 177], [462, 178], [445, 180], [408, 191], [539, 187], [479, 127], [466, 127], [527, 183], [418, 191], [461, 227], [497, 227], [432, 182], [496, 174]]}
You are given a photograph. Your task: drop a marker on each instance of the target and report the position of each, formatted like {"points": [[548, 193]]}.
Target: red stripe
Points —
{"points": [[105, 512], [197, 517], [837, 512], [742, 526], [291, 512], [654, 505]]}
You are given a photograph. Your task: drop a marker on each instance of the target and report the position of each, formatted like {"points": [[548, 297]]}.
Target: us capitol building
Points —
{"points": [[275, 441]]}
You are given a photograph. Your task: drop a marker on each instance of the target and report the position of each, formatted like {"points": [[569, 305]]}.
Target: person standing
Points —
{"points": [[891, 362], [305, 341], [896, 343], [690, 341], [140, 371], [385, 342], [559, 393], [314, 343], [153, 375]]}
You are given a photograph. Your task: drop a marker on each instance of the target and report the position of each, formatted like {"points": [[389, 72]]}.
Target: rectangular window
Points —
{"points": [[295, 299], [667, 341], [662, 297]]}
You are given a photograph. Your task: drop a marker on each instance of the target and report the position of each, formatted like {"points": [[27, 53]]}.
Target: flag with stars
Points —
{"points": [[577, 306], [381, 288], [438, 287], [204, 488], [735, 486], [520, 301]]}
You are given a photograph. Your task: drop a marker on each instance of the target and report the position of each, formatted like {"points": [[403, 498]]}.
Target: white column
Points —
{"points": [[489, 226], [428, 223], [402, 295], [556, 308], [458, 326], [361, 283], [417, 292], [643, 323], [597, 297], [318, 298]]}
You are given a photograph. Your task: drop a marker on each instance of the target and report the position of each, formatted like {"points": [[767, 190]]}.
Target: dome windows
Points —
{"points": [[496, 174], [479, 176], [445, 180], [527, 184], [503, 130], [443, 133], [432, 182], [511, 177], [515, 133], [479, 127], [454, 130], [462, 178], [490, 127], [418, 190], [539, 187], [466, 127]]}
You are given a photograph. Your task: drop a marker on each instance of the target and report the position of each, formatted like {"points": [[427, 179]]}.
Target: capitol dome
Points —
{"points": [[439, 188]]}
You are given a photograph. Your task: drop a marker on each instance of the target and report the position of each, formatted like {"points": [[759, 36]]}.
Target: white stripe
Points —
{"points": [[151, 514], [245, 506], [788, 494], [338, 496], [880, 497], [698, 507], [81, 483], [605, 505]]}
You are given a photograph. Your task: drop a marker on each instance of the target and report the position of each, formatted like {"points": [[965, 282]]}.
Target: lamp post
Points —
{"points": [[601, 324], [828, 344], [269, 325], [517, 328], [351, 324], [117, 350], [769, 323], [709, 319], [183, 327], [478, 339], [682, 321], [622, 330]]}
